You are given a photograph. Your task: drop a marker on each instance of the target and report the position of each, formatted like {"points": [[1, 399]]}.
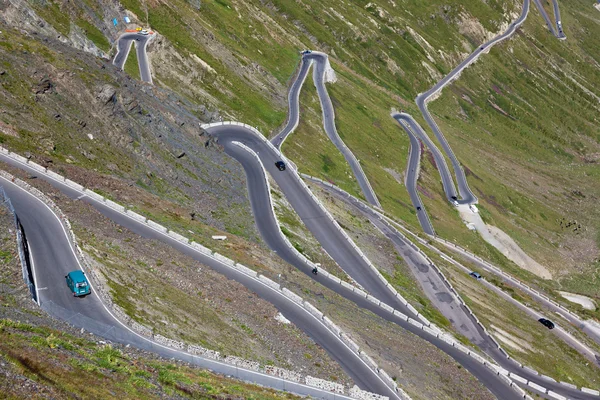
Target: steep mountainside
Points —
{"points": [[522, 120]]}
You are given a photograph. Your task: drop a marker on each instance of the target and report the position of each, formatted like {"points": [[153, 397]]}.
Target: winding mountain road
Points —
{"points": [[54, 256], [557, 29], [124, 44], [311, 213], [345, 255], [413, 128], [320, 63]]}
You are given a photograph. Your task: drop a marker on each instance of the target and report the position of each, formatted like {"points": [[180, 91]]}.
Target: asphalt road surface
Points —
{"points": [[319, 61], [53, 259], [537, 296], [463, 188], [437, 291], [555, 30], [412, 173], [124, 46], [327, 235], [293, 103]]}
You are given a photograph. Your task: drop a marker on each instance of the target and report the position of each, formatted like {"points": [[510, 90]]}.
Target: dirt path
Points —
{"points": [[504, 243]]}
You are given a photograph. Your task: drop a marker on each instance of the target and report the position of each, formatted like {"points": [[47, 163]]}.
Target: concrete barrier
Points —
{"points": [[401, 315], [223, 259], [590, 391], [424, 320], [507, 380], [349, 342], [18, 157], [569, 385], [292, 296], [93, 195], [430, 331], [368, 360], [3, 150], [114, 205], [537, 387], [136, 216], [462, 348], [517, 378], [37, 167], [347, 285], [387, 379], [531, 370], [156, 226], [412, 309], [55, 176], [329, 323], [415, 323], [313, 310], [268, 282], [201, 249], [360, 292], [556, 395], [73, 185], [178, 237], [520, 391], [386, 307], [245, 270], [373, 300], [546, 377], [478, 358]]}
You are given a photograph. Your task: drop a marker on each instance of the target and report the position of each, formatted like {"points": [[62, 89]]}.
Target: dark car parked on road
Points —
{"points": [[280, 165], [547, 323]]}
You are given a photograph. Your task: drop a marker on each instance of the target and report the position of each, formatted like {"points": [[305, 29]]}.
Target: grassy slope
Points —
{"points": [[65, 365], [539, 348], [537, 164], [44, 358], [131, 64]]}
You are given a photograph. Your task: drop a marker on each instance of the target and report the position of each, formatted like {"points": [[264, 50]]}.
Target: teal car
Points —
{"points": [[78, 283]]}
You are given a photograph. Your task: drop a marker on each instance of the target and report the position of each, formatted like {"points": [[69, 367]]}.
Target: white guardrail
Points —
{"points": [[189, 348], [500, 370], [422, 324]]}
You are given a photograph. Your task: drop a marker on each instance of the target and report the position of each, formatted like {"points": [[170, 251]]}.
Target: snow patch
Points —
{"points": [[279, 317], [501, 241], [584, 301], [330, 76]]}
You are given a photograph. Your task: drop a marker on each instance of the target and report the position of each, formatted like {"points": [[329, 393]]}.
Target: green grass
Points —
{"points": [[540, 349], [55, 14], [72, 366], [131, 64], [94, 34], [528, 165]]}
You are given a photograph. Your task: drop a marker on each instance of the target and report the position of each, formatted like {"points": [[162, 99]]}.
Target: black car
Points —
{"points": [[547, 323], [418, 208], [280, 165]]}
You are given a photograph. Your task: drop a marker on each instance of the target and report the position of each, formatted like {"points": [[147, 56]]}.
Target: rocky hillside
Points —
{"points": [[42, 358], [65, 105]]}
